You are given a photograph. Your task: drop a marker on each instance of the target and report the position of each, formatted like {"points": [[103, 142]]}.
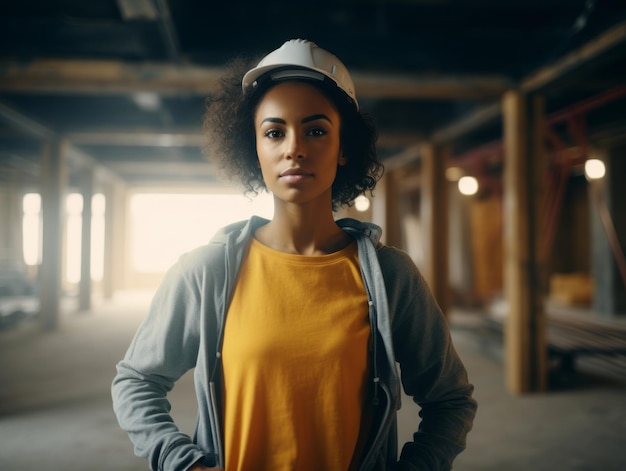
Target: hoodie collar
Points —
{"points": [[241, 230]]}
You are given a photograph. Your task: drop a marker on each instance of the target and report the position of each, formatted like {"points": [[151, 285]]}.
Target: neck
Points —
{"points": [[294, 229]]}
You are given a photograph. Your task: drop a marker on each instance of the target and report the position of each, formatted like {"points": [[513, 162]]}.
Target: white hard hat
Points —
{"points": [[308, 61]]}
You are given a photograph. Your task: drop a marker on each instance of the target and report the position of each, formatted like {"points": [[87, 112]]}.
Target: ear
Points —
{"points": [[343, 160]]}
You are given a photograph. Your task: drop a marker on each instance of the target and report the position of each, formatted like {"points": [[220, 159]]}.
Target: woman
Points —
{"points": [[295, 325]]}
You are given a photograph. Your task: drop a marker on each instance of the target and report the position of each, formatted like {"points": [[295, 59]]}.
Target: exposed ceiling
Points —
{"points": [[124, 81]]}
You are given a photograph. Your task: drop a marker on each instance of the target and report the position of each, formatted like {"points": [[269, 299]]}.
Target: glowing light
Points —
{"points": [[454, 174], [594, 169], [147, 101], [362, 203], [468, 186]]}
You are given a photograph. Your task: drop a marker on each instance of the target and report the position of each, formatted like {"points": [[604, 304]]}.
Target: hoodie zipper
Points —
{"points": [[214, 415]]}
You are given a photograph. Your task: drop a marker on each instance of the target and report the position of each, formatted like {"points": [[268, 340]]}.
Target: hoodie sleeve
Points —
{"points": [[431, 370], [164, 347]]}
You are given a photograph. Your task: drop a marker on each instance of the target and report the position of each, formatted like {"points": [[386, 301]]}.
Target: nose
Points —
{"points": [[295, 147]]}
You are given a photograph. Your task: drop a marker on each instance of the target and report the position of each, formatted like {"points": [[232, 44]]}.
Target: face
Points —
{"points": [[297, 142]]}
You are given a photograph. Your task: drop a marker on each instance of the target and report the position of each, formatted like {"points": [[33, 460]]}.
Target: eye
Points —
{"points": [[273, 133], [317, 132]]}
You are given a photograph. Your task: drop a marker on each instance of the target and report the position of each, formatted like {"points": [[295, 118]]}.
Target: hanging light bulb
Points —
{"points": [[468, 186], [594, 169], [361, 203]]}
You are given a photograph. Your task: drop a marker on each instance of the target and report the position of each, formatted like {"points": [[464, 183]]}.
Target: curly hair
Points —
{"points": [[231, 142]]}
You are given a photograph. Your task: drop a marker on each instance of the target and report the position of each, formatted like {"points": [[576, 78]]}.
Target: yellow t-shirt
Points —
{"points": [[295, 362]]}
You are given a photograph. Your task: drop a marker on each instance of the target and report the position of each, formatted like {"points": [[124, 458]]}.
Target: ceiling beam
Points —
{"points": [[34, 129], [138, 137], [24, 124], [474, 120], [168, 31], [432, 87], [577, 59], [163, 168], [543, 77], [69, 76]]}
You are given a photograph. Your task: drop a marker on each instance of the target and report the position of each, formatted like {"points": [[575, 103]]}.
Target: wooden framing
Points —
{"points": [[53, 184], [87, 178], [525, 329], [108, 76], [434, 217]]}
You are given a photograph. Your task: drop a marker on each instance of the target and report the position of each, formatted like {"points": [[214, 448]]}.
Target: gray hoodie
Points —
{"points": [[184, 327]]}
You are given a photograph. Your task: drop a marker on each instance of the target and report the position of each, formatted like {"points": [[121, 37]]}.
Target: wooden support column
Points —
{"points": [[525, 338], [108, 287], [84, 287], [434, 221], [385, 210], [53, 187], [11, 245], [114, 230]]}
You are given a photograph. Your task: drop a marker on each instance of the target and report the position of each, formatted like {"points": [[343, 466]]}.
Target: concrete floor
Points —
{"points": [[55, 407]]}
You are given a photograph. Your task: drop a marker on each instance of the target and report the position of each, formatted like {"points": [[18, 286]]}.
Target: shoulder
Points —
{"points": [[210, 260], [403, 280], [396, 263]]}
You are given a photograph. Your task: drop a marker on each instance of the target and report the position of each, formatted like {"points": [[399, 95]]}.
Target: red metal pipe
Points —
{"points": [[587, 105]]}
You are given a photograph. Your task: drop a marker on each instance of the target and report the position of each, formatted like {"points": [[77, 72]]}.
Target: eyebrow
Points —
{"points": [[308, 119]]}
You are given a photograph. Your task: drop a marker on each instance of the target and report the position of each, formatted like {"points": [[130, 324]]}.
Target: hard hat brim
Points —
{"points": [[287, 72]]}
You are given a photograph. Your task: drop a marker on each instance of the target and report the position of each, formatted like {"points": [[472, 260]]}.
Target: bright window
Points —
{"points": [[32, 233], [164, 226], [31, 228]]}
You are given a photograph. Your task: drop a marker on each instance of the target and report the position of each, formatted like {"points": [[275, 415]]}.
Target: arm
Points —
{"points": [[163, 349], [432, 372]]}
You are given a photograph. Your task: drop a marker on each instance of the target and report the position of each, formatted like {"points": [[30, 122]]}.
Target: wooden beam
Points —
{"points": [[434, 221], [87, 177], [162, 169], [25, 124], [408, 156], [53, 187], [398, 139], [105, 76], [472, 121], [168, 31], [525, 338], [535, 81], [430, 87], [72, 76], [385, 211], [575, 60], [138, 137], [36, 130]]}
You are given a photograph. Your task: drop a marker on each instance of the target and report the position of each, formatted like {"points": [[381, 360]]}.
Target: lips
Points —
{"points": [[295, 172]]}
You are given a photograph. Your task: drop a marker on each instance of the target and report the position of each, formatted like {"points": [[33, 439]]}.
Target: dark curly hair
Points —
{"points": [[231, 141]]}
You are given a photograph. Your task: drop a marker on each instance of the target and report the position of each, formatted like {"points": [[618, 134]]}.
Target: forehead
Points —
{"points": [[294, 96]]}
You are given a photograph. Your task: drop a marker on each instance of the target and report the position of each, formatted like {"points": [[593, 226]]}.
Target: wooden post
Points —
{"points": [[114, 237], [11, 213], [385, 210], [108, 287], [525, 338], [54, 176], [434, 221], [84, 287]]}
